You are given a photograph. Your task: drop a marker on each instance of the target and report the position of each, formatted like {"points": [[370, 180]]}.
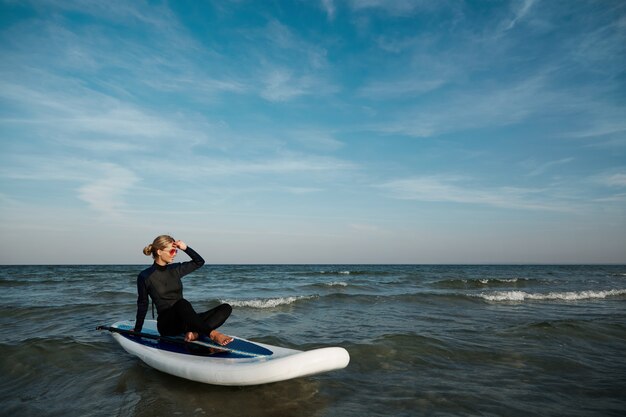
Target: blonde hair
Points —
{"points": [[159, 243]]}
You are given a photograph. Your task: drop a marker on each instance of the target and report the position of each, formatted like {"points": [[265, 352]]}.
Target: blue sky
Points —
{"points": [[357, 131]]}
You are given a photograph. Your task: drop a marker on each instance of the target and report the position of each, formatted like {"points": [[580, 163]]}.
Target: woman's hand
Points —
{"points": [[180, 245]]}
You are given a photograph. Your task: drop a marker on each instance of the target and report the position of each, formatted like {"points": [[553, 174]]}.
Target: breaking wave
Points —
{"points": [[484, 282], [565, 296], [268, 302], [343, 272], [336, 284]]}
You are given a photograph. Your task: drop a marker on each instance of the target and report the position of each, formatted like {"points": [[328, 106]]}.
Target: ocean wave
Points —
{"points": [[329, 284], [40, 310], [344, 272], [269, 302], [108, 294], [336, 284], [409, 297], [483, 282], [359, 270], [15, 283], [42, 283], [551, 296]]}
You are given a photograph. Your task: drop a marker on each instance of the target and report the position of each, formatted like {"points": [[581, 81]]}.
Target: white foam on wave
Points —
{"points": [[336, 284], [565, 296], [267, 302], [501, 280]]}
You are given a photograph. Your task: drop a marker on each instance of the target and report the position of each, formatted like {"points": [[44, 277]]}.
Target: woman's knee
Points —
{"points": [[226, 309]]}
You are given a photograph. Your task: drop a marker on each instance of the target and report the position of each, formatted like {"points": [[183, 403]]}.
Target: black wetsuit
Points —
{"points": [[175, 314]]}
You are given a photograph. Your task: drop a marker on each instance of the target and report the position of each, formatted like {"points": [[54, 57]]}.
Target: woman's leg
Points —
{"points": [[215, 317], [187, 320], [169, 323]]}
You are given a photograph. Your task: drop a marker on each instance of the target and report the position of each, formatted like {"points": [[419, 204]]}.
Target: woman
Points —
{"points": [[162, 282]]}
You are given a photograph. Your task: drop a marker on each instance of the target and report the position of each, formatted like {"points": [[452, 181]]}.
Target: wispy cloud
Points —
{"points": [[281, 85], [522, 9], [612, 179], [615, 198], [38, 167], [393, 7], [104, 186], [155, 51], [116, 10], [450, 189], [612, 186], [290, 65], [498, 106], [68, 114], [106, 192], [283, 43], [537, 168], [108, 187], [317, 140], [285, 164], [400, 88], [601, 123], [329, 8]]}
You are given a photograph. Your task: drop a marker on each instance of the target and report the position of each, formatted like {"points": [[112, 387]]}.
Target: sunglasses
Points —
{"points": [[172, 251]]}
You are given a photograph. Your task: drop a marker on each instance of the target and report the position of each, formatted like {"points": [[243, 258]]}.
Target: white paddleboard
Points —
{"points": [[241, 362]]}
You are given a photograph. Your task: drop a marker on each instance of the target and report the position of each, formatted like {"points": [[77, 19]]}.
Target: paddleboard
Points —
{"points": [[239, 363]]}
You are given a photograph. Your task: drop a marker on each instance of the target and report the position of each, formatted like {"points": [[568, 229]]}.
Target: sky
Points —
{"points": [[317, 131]]}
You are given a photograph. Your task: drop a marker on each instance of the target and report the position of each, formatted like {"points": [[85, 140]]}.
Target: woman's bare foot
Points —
{"points": [[191, 336], [219, 338]]}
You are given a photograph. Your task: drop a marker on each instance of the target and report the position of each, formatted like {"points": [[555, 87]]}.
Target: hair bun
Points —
{"points": [[148, 250]]}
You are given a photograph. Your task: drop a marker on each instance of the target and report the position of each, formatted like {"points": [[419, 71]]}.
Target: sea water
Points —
{"points": [[423, 340]]}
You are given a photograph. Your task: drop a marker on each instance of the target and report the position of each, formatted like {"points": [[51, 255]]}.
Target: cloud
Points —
{"points": [[520, 13], [329, 8], [41, 167], [537, 168], [616, 198], [198, 86], [600, 122], [471, 109], [400, 88], [102, 185], [114, 10], [64, 112], [150, 50], [115, 189], [282, 45], [488, 76], [316, 139], [615, 179], [393, 7], [302, 190], [280, 84], [366, 228], [450, 189], [290, 66], [281, 165], [106, 191]]}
